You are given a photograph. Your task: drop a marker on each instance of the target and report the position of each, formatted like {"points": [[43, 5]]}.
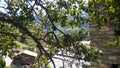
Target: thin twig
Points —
{"points": [[32, 9], [48, 34]]}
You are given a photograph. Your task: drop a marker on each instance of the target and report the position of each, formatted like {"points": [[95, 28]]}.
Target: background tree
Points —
{"points": [[106, 12], [39, 20]]}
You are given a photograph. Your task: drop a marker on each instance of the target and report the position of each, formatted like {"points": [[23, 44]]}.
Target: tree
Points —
{"points": [[106, 12], [39, 20]]}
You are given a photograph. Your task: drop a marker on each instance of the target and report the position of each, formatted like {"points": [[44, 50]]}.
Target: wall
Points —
{"points": [[99, 38]]}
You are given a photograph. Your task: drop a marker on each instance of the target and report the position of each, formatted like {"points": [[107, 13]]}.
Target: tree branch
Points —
{"points": [[26, 31], [50, 18], [47, 34]]}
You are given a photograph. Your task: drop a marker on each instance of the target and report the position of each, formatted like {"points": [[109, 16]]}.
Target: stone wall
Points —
{"points": [[99, 38]]}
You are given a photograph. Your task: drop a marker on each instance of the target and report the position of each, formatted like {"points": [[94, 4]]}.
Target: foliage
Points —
{"points": [[7, 67], [2, 63], [115, 42], [105, 12], [39, 20]]}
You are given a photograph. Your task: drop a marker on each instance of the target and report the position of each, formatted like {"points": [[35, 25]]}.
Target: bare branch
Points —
{"points": [[32, 8], [48, 34]]}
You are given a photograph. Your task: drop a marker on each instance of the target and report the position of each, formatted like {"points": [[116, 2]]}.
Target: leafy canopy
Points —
{"points": [[39, 20], [106, 12]]}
